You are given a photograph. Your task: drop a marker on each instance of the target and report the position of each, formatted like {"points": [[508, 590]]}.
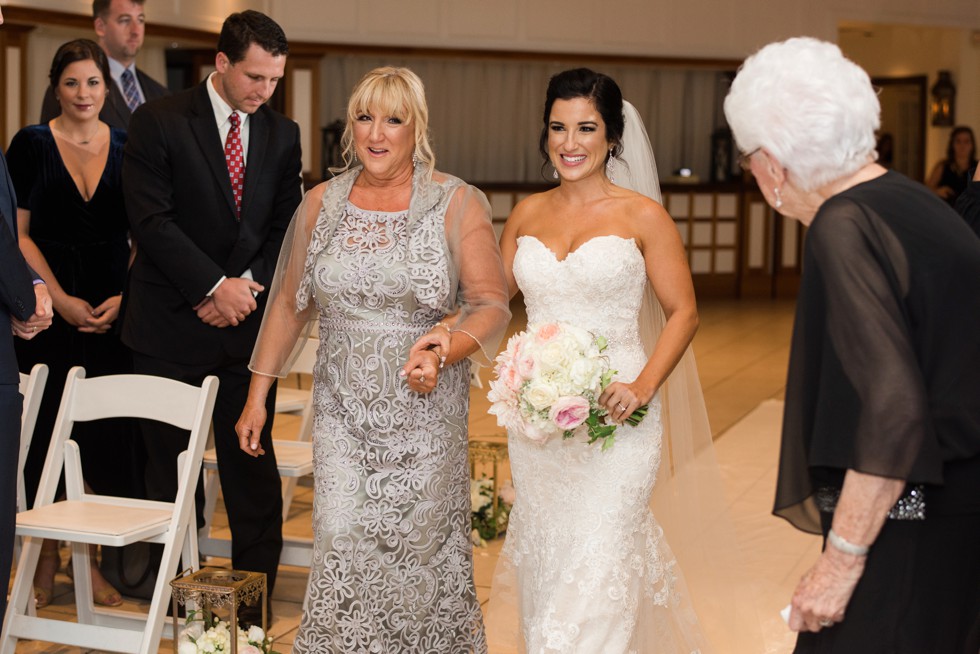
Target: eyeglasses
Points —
{"points": [[745, 158]]}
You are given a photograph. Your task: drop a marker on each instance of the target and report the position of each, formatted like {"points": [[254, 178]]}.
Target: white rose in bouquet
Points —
{"points": [[541, 394]]}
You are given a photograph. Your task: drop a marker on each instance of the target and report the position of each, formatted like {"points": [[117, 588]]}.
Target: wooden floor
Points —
{"points": [[742, 350]]}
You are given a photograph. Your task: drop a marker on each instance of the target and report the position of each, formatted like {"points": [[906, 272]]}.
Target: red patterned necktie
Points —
{"points": [[235, 161]]}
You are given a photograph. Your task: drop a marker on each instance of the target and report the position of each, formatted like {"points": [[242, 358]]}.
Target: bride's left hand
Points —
{"points": [[621, 400]]}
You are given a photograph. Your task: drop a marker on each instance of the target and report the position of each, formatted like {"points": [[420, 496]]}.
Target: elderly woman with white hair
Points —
{"points": [[881, 436]]}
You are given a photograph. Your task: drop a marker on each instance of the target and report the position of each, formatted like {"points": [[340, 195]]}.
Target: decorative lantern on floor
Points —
{"points": [[943, 97], [211, 588]]}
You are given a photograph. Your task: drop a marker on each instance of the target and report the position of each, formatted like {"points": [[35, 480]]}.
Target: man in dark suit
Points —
{"points": [[120, 26], [211, 178], [968, 204], [25, 309]]}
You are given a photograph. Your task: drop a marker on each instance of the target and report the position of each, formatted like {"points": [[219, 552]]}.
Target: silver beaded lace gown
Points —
{"points": [[585, 563], [392, 563]]}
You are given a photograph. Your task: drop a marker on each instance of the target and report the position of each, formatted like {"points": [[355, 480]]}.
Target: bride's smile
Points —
{"points": [[577, 144]]}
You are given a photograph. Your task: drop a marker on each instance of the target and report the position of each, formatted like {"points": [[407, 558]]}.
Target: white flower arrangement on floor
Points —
{"points": [[487, 522], [206, 633]]}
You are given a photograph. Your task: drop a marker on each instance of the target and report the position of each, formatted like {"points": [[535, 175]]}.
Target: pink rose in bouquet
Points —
{"points": [[569, 412]]}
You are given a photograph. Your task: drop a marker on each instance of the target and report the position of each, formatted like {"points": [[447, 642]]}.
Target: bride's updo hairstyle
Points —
{"points": [[600, 90], [397, 92]]}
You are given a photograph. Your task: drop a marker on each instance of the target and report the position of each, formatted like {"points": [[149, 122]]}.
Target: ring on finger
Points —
{"points": [[826, 623], [421, 379], [621, 407]]}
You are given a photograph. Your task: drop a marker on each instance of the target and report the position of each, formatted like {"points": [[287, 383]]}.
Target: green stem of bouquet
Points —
{"points": [[600, 430]]}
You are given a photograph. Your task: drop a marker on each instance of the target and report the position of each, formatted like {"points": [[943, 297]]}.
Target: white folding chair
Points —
{"points": [[32, 388], [293, 457], [85, 518]]}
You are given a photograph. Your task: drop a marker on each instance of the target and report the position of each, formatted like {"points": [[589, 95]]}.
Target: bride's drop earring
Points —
{"points": [[609, 167], [779, 199], [555, 174]]}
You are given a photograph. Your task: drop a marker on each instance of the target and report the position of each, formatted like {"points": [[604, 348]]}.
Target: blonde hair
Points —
{"points": [[396, 92]]}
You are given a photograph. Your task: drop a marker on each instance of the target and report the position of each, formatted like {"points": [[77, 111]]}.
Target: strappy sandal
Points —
{"points": [[108, 596], [44, 594]]}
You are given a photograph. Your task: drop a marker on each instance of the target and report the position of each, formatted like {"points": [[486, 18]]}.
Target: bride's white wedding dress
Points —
{"points": [[585, 562]]}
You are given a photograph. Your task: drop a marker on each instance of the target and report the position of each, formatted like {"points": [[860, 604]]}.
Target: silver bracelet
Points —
{"points": [[845, 546]]}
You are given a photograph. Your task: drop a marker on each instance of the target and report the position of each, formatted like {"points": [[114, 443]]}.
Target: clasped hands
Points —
{"points": [[426, 359], [230, 304], [39, 320]]}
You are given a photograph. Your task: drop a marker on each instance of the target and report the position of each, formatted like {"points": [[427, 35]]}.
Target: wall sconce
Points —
{"points": [[943, 97]]}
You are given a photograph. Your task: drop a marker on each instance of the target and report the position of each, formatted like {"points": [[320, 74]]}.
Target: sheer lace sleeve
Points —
{"points": [[291, 308], [482, 299], [856, 397]]}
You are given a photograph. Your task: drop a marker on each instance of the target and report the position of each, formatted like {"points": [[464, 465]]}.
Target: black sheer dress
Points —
{"points": [[86, 245], [884, 378]]}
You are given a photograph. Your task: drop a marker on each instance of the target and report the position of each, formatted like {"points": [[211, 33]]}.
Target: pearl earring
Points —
{"points": [[779, 199]]}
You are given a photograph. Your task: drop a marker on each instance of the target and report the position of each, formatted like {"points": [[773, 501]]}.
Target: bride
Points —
{"points": [[585, 564]]}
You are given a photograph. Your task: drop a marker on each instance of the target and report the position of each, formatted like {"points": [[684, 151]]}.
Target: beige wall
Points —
{"points": [[691, 28], [887, 37], [903, 50]]}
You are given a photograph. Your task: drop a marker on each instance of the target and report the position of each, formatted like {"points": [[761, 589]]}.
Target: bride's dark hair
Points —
{"points": [[600, 89]]}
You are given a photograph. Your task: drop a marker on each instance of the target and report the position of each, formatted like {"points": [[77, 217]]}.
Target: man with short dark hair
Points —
{"points": [[211, 178], [120, 26]]}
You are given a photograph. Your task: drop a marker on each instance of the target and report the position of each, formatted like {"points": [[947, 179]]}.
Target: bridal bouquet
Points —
{"points": [[206, 633], [548, 381]]}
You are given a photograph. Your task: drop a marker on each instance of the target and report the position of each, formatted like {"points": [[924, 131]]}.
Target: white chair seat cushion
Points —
{"points": [[293, 458], [108, 524], [291, 400]]}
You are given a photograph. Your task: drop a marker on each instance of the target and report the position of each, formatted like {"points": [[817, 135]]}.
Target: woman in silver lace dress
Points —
{"points": [[381, 255]]}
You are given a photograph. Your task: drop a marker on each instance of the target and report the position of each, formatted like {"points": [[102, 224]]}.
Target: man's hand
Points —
{"points": [[210, 316], [40, 320], [234, 299]]}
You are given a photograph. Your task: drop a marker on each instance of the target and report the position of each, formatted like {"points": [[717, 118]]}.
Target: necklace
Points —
{"points": [[71, 138]]}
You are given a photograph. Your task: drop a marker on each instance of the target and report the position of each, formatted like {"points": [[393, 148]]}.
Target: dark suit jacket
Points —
{"points": [[968, 204], [181, 210], [115, 112], [16, 278]]}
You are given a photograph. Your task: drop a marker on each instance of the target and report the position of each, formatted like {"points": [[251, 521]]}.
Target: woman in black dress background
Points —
{"points": [[881, 436], [73, 232]]}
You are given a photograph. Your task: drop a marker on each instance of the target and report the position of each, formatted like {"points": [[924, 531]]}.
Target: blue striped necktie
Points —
{"points": [[129, 90]]}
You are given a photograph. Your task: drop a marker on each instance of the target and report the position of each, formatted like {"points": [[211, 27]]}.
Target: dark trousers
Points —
{"points": [[251, 487], [10, 409]]}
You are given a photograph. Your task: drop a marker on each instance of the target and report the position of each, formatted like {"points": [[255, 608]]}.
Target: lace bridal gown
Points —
{"points": [[585, 562]]}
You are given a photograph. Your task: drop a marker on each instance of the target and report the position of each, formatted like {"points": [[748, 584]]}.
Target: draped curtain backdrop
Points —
{"points": [[485, 115]]}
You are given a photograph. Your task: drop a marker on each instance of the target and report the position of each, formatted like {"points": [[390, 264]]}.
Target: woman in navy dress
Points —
{"points": [[73, 232]]}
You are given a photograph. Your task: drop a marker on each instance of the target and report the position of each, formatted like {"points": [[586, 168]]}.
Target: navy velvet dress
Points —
{"points": [[86, 245]]}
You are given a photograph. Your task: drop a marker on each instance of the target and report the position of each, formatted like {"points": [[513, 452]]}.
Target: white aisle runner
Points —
{"points": [[776, 553]]}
